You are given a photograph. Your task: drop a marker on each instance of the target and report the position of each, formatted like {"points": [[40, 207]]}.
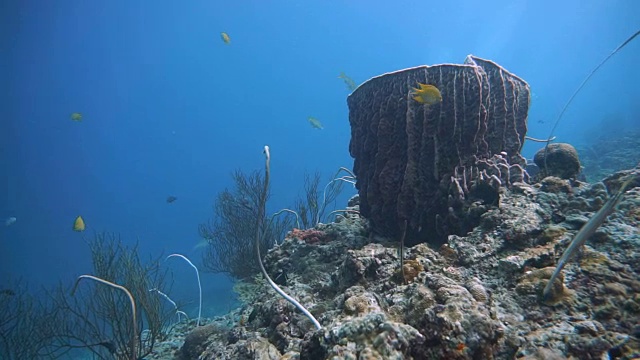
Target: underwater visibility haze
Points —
{"points": [[133, 139]]}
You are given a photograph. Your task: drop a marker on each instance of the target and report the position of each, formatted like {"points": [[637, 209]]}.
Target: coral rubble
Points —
{"points": [[479, 296]]}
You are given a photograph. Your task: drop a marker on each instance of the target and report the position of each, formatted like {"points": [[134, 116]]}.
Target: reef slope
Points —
{"points": [[476, 297]]}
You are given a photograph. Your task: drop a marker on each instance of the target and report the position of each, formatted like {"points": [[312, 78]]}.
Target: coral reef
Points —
{"points": [[478, 296], [424, 164], [561, 161], [475, 275], [616, 151], [310, 236]]}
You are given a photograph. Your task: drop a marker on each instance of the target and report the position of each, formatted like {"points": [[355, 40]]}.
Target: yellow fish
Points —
{"points": [[427, 94], [315, 123], [76, 116], [348, 81], [225, 37], [78, 224]]}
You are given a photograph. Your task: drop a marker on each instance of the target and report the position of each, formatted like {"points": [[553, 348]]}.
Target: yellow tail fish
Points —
{"points": [[426, 94], [225, 37], [78, 224]]}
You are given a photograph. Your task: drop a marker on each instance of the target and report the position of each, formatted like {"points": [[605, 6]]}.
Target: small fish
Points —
{"points": [[351, 85], [78, 224], [426, 94], [10, 221], [225, 37], [171, 199], [76, 116], [315, 123]]}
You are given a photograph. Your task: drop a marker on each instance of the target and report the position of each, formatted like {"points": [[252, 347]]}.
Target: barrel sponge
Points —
{"points": [[414, 162]]}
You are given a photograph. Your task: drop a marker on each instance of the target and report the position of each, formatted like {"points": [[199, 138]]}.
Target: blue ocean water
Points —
{"points": [[169, 109]]}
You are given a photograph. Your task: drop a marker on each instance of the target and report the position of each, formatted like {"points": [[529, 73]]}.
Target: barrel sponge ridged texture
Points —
{"points": [[405, 153]]}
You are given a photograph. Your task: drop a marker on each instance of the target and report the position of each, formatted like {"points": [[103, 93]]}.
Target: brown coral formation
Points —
{"points": [[310, 236], [411, 269], [196, 342], [561, 161], [419, 163]]}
